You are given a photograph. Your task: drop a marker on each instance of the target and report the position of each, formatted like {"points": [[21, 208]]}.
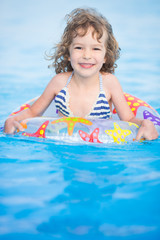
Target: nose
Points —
{"points": [[87, 54]]}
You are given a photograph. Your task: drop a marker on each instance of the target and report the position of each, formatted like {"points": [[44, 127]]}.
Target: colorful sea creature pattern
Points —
{"points": [[151, 117], [118, 134], [71, 121], [134, 103], [133, 124], [93, 137], [23, 107], [40, 133]]}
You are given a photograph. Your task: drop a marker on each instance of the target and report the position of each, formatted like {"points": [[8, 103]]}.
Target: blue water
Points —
{"points": [[50, 190]]}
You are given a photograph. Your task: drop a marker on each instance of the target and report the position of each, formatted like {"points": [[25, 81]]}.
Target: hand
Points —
{"points": [[147, 131], [12, 125]]}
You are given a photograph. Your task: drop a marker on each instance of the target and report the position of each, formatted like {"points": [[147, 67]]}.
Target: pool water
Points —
{"points": [[53, 190]]}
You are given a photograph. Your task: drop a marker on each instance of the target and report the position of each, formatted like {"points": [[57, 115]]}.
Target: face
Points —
{"points": [[87, 54]]}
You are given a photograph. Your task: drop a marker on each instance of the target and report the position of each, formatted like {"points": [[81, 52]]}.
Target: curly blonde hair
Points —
{"points": [[82, 19]]}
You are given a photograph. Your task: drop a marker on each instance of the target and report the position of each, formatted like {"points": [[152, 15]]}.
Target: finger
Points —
{"points": [[18, 126], [9, 129], [139, 134]]}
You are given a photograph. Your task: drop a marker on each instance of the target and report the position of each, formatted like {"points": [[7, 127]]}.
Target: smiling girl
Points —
{"points": [[85, 86]]}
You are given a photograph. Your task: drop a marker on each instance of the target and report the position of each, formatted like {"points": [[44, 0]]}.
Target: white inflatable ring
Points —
{"points": [[80, 130]]}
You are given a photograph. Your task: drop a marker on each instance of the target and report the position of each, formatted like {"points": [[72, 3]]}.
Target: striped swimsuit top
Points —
{"points": [[100, 109]]}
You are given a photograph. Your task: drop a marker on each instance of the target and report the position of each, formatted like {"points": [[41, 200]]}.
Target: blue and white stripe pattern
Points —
{"points": [[62, 100], [100, 110]]}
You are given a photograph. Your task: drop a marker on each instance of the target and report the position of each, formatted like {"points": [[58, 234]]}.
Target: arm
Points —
{"points": [[147, 129], [13, 122]]}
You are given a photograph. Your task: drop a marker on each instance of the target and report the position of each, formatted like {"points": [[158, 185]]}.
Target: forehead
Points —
{"points": [[100, 36]]}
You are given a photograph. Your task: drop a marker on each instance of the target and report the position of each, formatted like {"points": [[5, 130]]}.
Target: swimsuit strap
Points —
{"points": [[100, 82], [69, 79]]}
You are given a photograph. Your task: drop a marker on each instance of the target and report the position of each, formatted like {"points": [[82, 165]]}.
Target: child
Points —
{"points": [[85, 86]]}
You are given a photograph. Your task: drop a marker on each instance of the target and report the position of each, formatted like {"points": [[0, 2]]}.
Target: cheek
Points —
{"points": [[102, 59], [73, 56]]}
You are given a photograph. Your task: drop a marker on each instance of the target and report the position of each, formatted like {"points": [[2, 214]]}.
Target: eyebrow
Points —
{"points": [[93, 45]]}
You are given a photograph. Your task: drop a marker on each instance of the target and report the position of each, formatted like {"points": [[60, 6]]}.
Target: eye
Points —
{"points": [[97, 49], [79, 48]]}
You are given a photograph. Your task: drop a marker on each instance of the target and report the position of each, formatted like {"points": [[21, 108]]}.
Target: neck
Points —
{"points": [[82, 81]]}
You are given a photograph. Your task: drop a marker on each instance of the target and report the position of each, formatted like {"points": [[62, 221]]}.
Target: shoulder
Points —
{"points": [[110, 81], [111, 86], [60, 80]]}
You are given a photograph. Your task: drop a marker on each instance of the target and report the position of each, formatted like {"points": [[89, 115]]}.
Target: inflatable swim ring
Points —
{"points": [[80, 130]]}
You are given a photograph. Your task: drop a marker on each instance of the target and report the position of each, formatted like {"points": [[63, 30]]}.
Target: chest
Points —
{"points": [[82, 103]]}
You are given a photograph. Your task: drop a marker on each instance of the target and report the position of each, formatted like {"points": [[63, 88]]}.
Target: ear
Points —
{"points": [[104, 61]]}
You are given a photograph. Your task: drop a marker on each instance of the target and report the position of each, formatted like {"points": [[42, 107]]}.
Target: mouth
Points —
{"points": [[86, 65]]}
